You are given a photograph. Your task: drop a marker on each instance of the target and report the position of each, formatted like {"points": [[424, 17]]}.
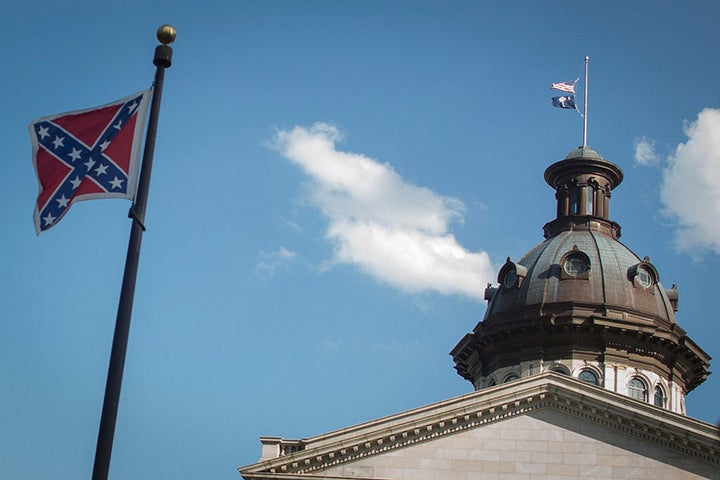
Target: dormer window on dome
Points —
{"points": [[643, 274], [511, 275], [575, 264], [644, 279]]}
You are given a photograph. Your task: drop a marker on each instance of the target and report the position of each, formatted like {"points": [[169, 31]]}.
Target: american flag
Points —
{"points": [[86, 154], [564, 86]]}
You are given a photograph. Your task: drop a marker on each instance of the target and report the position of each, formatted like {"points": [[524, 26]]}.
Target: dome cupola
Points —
{"points": [[583, 182], [583, 304]]}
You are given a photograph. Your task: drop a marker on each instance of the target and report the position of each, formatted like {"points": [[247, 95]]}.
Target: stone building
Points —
{"points": [[579, 368]]}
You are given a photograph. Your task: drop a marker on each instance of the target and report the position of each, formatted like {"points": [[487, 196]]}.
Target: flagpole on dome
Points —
{"points": [[162, 60], [585, 112]]}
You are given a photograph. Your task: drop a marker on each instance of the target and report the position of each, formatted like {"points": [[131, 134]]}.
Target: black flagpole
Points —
{"points": [[162, 60]]}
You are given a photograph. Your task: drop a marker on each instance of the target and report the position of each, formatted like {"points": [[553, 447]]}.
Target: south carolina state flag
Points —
{"points": [[86, 154]]}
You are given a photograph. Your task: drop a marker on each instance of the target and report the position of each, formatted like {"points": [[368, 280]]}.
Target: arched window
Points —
{"points": [[510, 378], [659, 397], [491, 383], [588, 376], [637, 389], [590, 198], [574, 200]]}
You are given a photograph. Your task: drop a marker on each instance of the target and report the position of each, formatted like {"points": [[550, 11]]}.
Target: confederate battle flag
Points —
{"points": [[86, 154]]}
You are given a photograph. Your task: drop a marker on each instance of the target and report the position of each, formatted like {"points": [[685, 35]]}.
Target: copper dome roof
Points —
{"points": [[607, 286], [581, 294]]}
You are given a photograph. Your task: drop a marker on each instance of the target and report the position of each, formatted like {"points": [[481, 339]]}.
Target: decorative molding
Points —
{"points": [[546, 391], [495, 345]]}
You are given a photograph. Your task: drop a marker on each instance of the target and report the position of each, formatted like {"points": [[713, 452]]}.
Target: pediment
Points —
{"points": [[559, 401]]}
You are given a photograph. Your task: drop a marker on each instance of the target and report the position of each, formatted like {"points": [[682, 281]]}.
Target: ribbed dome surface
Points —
{"points": [[581, 301], [608, 283]]}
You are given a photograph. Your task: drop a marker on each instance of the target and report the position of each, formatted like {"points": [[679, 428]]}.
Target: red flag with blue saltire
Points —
{"points": [[86, 154]]}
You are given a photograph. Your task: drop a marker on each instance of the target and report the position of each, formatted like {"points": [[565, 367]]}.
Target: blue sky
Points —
{"points": [[334, 183]]}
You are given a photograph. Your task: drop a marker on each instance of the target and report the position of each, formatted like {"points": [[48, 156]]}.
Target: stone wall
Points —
{"points": [[541, 445]]}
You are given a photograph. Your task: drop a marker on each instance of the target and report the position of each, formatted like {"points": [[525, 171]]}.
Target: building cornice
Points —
{"points": [[668, 348], [546, 391]]}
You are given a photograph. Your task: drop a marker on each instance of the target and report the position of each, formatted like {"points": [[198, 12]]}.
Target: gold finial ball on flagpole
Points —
{"points": [[166, 34]]}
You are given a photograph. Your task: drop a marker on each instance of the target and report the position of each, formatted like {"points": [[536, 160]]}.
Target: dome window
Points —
{"points": [[589, 376], [643, 275], [511, 275], [509, 280], [574, 202], [644, 278], [560, 368], [590, 192], [575, 264], [637, 389], [511, 378], [659, 397]]}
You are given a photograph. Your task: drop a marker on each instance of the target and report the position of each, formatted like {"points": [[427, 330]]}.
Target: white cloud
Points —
{"points": [[332, 345], [271, 262], [294, 226], [393, 230], [645, 151], [691, 185]]}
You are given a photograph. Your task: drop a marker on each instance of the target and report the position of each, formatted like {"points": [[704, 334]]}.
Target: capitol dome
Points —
{"points": [[583, 304]]}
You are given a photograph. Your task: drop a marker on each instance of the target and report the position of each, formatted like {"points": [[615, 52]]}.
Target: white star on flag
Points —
{"points": [[49, 219], [116, 182], [62, 201], [75, 154]]}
